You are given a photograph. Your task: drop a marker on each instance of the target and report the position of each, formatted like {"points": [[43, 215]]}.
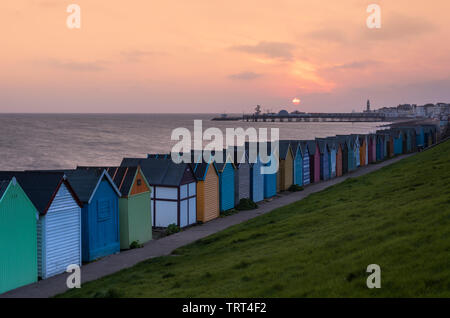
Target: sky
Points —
{"points": [[196, 56]]}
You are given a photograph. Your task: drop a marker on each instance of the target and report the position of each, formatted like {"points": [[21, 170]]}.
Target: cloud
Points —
{"points": [[398, 26], [330, 35], [247, 76], [355, 65], [274, 50], [138, 55], [77, 66]]}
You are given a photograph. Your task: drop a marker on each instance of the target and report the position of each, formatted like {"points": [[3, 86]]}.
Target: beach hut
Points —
{"points": [[207, 191], [324, 159], [351, 153], [99, 195], [256, 175], [135, 215], [298, 162], [286, 165], [398, 141], [414, 138], [59, 225], [380, 147], [357, 150], [332, 156], [363, 150], [339, 159], [390, 145], [242, 174], [173, 190], [314, 160], [410, 138], [420, 137], [269, 159], [374, 147], [344, 149], [430, 135], [306, 164], [370, 149], [18, 237], [226, 170], [405, 141]]}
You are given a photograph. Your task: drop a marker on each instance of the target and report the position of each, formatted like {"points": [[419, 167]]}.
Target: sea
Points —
{"points": [[63, 141]]}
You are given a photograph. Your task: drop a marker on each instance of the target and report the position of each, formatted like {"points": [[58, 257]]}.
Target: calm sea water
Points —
{"points": [[55, 141]]}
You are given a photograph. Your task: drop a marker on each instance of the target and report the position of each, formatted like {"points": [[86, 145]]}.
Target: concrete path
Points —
{"points": [[164, 246]]}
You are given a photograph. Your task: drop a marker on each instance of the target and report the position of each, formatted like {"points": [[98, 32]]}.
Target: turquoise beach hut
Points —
{"points": [[269, 159], [60, 222], [18, 236], [226, 171], [298, 162]]}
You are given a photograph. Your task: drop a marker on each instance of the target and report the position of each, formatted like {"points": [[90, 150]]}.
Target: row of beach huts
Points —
{"points": [[52, 219]]}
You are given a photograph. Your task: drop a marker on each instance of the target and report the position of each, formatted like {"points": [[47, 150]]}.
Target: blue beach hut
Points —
{"points": [[256, 176], [324, 159], [398, 142], [100, 235]]}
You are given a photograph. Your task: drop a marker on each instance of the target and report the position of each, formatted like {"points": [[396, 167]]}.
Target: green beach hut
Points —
{"points": [[18, 238]]}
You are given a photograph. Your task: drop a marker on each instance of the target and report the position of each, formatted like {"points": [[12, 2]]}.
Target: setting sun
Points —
{"points": [[296, 101]]}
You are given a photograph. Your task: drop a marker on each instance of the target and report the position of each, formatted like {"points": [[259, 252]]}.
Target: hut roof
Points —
{"points": [[86, 181], [123, 177], [40, 186], [323, 145], [225, 158], [158, 155], [295, 145], [284, 148], [311, 147], [160, 171], [304, 146], [200, 170], [342, 140], [331, 141]]}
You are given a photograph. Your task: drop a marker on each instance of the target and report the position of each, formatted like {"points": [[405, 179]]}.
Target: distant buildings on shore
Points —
{"points": [[439, 111]]}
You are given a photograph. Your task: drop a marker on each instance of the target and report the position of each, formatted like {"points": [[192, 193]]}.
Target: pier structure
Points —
{"points": [[309, 117]]}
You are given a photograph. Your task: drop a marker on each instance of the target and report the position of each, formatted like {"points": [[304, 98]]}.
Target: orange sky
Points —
{"points": [[216, 56]]}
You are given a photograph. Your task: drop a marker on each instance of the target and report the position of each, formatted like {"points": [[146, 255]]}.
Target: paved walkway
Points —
{"points": [[164, 246]]}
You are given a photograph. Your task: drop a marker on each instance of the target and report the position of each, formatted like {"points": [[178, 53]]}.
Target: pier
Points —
{"points": [[309, 117]]}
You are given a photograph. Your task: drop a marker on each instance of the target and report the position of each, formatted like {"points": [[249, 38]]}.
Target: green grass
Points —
{"points": [[397, 217]]}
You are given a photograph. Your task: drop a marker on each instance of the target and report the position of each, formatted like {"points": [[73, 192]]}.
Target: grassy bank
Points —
{"points": [[397, 217]]}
